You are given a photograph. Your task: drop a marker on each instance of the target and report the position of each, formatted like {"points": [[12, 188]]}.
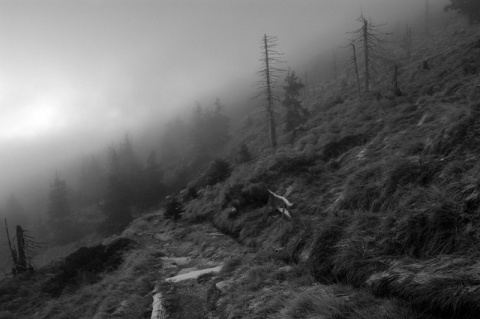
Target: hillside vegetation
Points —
{"points": [[386, 188], [385, 224]]}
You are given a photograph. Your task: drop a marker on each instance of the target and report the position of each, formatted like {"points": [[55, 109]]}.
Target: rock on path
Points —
{"points": [[194, 274]]}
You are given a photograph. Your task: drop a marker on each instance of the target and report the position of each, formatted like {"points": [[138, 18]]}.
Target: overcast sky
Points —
{"points": [[75, 75]]}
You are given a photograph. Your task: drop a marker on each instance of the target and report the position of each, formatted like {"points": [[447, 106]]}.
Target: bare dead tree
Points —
{"points": [[278, 204], [335, 70], [374, 53], [407, 41], [352, 68], [305, 89], [270, 75], [13, 251], [22, 258], [427, 17], [22, 254], [395, 88]]}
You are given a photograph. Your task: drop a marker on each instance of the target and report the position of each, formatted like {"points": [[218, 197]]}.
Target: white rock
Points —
{"points": [[222, 286], [194, 274], [186, 270]]}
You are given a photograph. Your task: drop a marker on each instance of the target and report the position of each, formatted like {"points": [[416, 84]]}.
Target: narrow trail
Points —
{"points": [[202, 273], [193, 256]]}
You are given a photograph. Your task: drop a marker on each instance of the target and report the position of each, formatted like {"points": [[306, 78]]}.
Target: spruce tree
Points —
{"points": [[118, 200], [153, 188], [295, 113], [173, 208], [243, 154], [59, 212]]}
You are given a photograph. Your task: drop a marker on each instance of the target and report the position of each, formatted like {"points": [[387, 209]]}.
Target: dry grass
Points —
{"points": [[124, 293], [376, 180]]}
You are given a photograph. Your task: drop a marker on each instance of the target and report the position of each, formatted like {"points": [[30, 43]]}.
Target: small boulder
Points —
{"points": [[222, 286]]}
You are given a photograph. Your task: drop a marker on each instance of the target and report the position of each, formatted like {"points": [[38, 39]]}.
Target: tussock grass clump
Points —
{"points": [[342, 302], [445, 286], [357, 254], [334, 149], [325, 246], [405, 172], [363, 189], [426, 223], [461, 137], [244, 197], [289, 161], [318, 304]]}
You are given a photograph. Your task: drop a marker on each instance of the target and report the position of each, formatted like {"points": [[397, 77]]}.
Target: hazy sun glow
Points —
{"points": [[40, 117]]}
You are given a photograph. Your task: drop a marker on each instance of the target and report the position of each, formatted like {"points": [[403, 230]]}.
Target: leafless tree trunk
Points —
{"points": [[270, 75], [374, 54], [366, 54], [305, 89], [427, 17], [395, 89], [22, 259], [13, 252], [355, 65], [408, 41], [335, 70], [270, 114]]}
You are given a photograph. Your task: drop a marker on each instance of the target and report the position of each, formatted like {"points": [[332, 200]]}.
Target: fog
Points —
{"points": [[76, 75]]}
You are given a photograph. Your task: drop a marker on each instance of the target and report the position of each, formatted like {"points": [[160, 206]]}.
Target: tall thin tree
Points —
{"points": [[270, 75], [407, 41], [427, 17], [335, 71], [374, 53], [352, 68]]}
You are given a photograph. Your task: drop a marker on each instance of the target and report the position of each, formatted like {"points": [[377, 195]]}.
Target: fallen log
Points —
{"points": [[158, 310], [281, 198], [277, 203]]}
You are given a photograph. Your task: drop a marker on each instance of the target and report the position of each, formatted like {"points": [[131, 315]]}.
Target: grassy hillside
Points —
{"points": [[385, 223], [386, 188]]}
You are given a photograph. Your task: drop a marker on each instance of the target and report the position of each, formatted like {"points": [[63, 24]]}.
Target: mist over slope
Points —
{"points": [[69, 89], [385, 187]]}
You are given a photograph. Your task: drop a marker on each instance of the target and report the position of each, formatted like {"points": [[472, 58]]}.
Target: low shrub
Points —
{"points": [[405, 172], [243, 197], [218, 171], [86, 264], [243, 154], [173, 208]]}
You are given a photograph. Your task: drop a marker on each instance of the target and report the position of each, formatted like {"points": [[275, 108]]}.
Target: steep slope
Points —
{"points": [[385, 223], [386, 188]]}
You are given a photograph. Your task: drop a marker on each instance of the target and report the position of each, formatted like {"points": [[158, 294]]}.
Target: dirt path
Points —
{"points": [[244, 283], [186, 249]]}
